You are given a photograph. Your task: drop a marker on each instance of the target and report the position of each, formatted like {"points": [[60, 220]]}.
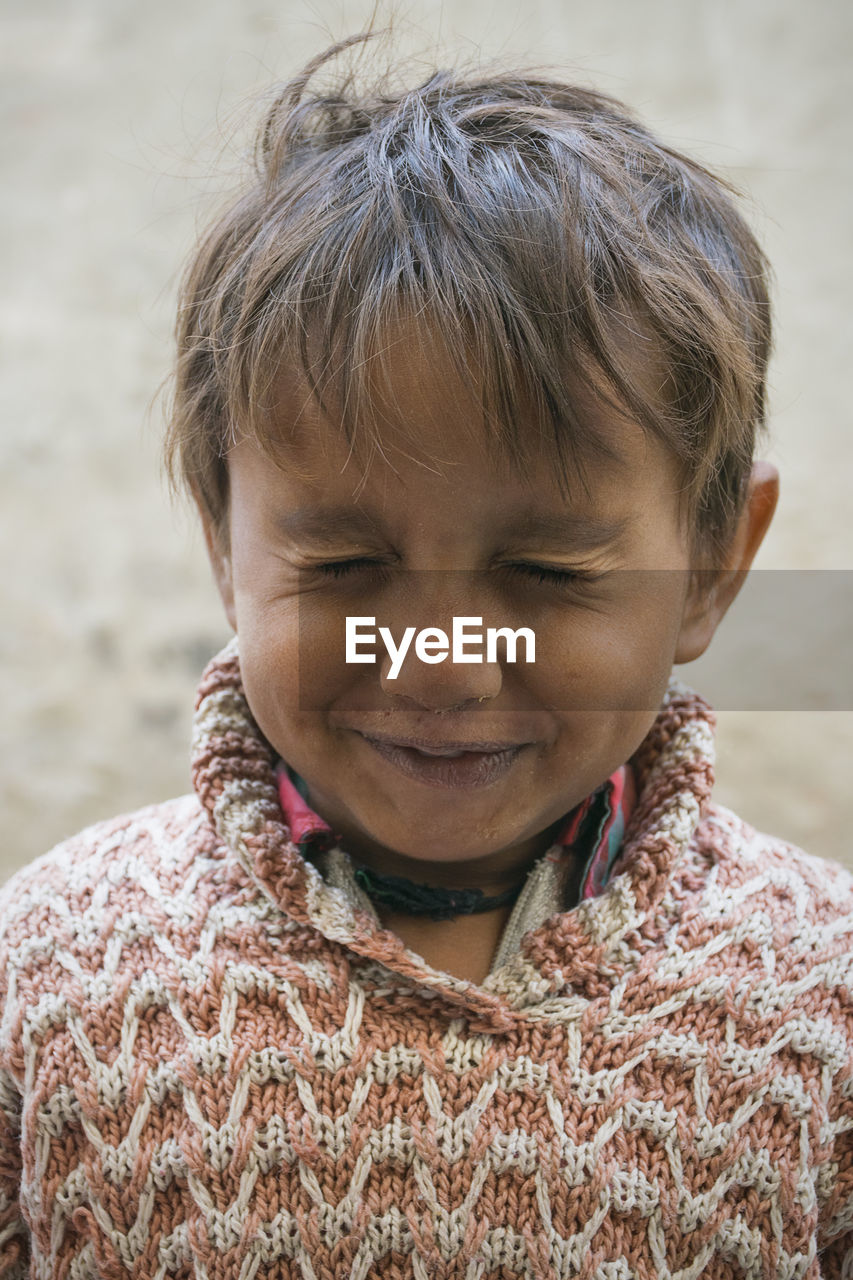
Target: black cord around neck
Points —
{"points": [[410, 899]]}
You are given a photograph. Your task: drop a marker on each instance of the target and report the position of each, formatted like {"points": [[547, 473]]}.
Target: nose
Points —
{"points": [[448, 686], [462, 678]]}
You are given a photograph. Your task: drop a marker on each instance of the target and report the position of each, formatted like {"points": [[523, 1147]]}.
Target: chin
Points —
{"points": [[438, 851]]}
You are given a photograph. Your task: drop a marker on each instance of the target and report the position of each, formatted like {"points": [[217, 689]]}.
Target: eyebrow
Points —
{"points": [[325, 526], [580, 532]]}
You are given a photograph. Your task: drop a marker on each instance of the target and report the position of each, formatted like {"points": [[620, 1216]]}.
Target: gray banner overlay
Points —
{"points": [[785, 644]]}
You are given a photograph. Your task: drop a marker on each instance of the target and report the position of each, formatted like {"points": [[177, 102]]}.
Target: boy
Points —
{"points": [[449, 967]]}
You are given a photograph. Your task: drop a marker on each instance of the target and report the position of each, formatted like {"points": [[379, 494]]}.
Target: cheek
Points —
{"points": [[291, 658], [614, 657]]}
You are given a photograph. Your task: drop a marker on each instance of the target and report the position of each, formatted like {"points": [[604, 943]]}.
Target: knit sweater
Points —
{"points": [[214, 1065]]}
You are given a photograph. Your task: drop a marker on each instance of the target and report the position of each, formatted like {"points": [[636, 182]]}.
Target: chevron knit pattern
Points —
{"points": [[212, 1065]]}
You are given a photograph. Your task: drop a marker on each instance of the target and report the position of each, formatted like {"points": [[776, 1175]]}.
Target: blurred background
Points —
{"points": [[118, 133]]}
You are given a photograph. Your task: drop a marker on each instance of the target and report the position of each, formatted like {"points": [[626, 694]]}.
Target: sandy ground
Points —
{"points": [[112, 118]]}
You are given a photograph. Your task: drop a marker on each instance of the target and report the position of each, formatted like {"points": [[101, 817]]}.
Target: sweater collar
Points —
{"points": [[577, 955], [593, 831]]}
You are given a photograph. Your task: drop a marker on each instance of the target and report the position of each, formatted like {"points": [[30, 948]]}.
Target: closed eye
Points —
{"points": [[556, 577], [340, 568], [536, 572]]}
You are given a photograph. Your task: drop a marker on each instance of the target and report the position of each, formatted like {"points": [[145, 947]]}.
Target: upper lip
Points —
{"points": [[427, 744]]}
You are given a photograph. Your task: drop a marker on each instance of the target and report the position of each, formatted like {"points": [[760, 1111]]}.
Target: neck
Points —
{"points": [[463, 947], [494, 874]]}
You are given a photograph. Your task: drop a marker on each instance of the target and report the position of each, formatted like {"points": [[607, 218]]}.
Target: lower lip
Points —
{"points": [[472, 769]]}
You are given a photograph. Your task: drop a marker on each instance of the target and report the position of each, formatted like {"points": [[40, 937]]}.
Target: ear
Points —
{"points": [[216, 541], [712, 592]]}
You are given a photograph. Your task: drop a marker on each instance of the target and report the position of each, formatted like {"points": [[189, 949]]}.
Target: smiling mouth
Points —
{"points": [[431, 748], [452, 766]]}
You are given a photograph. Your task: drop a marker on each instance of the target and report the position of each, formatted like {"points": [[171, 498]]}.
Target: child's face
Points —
{"points": [[604, 643]]}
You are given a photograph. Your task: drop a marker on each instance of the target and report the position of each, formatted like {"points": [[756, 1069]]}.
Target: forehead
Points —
{"points": [[416, 401], [425, 471]]}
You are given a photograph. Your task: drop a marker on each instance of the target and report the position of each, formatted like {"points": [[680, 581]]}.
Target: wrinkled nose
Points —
{"points": [[444, 686], [445, 665]]}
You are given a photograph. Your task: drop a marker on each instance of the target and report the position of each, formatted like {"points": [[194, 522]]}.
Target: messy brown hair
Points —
{"points": [[532, 223]]}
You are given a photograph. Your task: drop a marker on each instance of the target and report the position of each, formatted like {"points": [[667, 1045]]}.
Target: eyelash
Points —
{"points": [[339, 568], [541, 573]]}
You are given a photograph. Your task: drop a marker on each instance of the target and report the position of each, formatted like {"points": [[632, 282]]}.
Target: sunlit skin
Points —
{"points": [[605, 639]]}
